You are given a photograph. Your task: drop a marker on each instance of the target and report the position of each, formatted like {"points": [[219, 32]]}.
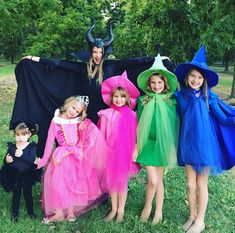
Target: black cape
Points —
{"points": [[43, 86]]}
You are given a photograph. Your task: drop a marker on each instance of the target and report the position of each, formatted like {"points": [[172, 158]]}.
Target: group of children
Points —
{"points": [[190, 127]]}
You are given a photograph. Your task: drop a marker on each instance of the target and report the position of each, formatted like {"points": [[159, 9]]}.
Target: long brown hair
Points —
{"points": [[163, 78], [204, 85]]}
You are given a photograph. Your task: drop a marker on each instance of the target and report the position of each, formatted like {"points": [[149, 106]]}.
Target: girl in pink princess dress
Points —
{"points": [[118, 124], [72, 178]]}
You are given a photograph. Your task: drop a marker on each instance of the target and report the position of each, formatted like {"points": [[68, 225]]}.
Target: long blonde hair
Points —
{"points": [[68, 102], [94, 70]]}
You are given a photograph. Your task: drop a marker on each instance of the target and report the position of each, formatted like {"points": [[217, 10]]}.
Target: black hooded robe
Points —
{"points": [[43, 86]]}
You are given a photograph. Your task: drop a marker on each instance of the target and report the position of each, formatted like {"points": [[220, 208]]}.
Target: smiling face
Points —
{"points": [[97, 55], [73, 110], [195, 79], [120, 97], [156, 84]]}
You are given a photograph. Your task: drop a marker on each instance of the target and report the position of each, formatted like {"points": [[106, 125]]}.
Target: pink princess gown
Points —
{"points": [[118, 125], [73, 176]]}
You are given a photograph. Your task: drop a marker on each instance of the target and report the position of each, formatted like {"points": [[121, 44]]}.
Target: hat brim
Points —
{"points": [[183, 69], [143, 77], [119, 81]]}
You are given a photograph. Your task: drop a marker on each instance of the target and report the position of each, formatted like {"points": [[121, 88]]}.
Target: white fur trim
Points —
{"points": [[59, 120]]}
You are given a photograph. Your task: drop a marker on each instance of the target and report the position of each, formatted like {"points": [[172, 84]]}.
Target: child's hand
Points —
{"points": [[37, 160], [9, 158], [18, 153]]}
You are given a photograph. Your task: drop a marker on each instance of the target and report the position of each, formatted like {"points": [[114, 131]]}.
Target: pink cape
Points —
{"points": [[73, 176], [118, 125]]}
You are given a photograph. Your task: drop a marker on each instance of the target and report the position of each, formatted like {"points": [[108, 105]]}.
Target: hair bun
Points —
{"points": [[33, 127]]}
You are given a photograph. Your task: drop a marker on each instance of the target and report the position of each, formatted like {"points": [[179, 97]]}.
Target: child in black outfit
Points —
{"points": [[18, 172]]}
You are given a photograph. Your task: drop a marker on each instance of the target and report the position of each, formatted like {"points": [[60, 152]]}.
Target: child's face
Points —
{"points": [[195, 79], [118, 99], [74, 110], [97, 55], [21, 137], [156, 84]]}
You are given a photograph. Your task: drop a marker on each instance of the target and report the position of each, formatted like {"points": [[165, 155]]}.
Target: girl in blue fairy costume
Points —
{"points": [[207, 126]]}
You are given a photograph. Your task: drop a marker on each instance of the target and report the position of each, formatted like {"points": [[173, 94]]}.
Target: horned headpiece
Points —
{"points": [[98, 42]]}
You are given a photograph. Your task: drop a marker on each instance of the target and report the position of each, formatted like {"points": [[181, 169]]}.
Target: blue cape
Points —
{"points": [[226, 136]]}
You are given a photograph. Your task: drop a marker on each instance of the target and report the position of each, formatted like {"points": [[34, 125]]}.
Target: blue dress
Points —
{"points": [[200, 140]]}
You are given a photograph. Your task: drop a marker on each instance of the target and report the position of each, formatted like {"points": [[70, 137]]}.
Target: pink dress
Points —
{"points": [[118, 125], [75, 169]]}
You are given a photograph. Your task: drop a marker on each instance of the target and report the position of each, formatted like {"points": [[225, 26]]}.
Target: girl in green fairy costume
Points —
{"points": [[157, 135]]}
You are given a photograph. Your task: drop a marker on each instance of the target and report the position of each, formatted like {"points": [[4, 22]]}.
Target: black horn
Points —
{"points": [[110, 39], [89, 36]]}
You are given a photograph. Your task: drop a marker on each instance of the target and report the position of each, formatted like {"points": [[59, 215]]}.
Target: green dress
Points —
{"points": [[158, 129]]}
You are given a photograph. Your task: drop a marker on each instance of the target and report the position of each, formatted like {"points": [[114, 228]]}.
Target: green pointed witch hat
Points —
{"points": [[157, 67]]}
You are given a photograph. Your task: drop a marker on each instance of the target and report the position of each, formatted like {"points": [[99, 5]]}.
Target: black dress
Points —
{"points": [[22, 170], [19, 177]]}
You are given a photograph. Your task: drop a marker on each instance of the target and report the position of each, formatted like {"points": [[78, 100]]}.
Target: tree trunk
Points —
{"points": [[12, 58], [233, 86], [226, 61]]}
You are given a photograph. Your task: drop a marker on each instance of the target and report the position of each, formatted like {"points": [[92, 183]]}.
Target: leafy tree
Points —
{"points": [[220, 34], [18, 18], [62, 31], [218, 30], [129, 37], [150, 25]]}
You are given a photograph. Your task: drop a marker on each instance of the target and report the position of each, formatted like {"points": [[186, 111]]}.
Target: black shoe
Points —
{"points": [[14, 218], [32, 216]]}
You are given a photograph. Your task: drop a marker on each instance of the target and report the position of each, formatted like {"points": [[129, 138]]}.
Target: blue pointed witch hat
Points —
{"points": [[198, 62]]}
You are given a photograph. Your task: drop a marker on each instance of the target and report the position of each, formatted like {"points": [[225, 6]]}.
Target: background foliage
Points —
{"points": [[143, 27]]}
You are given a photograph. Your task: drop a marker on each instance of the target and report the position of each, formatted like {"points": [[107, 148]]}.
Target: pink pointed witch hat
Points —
{"points": [[119, 81]]}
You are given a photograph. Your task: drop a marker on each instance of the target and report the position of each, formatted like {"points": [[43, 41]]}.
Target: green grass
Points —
{"points": [[224, 86], [220, 69], [6, 68], [219, 217]]}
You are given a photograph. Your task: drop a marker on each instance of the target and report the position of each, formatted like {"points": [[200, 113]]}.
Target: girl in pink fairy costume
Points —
{"points": [[118, 124], [72, 178]]}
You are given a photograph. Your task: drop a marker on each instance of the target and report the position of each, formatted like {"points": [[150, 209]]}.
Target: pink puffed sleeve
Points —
{"points": [[102, 124], [49, 145]]}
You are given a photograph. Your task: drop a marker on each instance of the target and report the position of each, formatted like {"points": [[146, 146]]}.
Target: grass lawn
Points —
{"points": [[6, 68], [220, 217]]}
